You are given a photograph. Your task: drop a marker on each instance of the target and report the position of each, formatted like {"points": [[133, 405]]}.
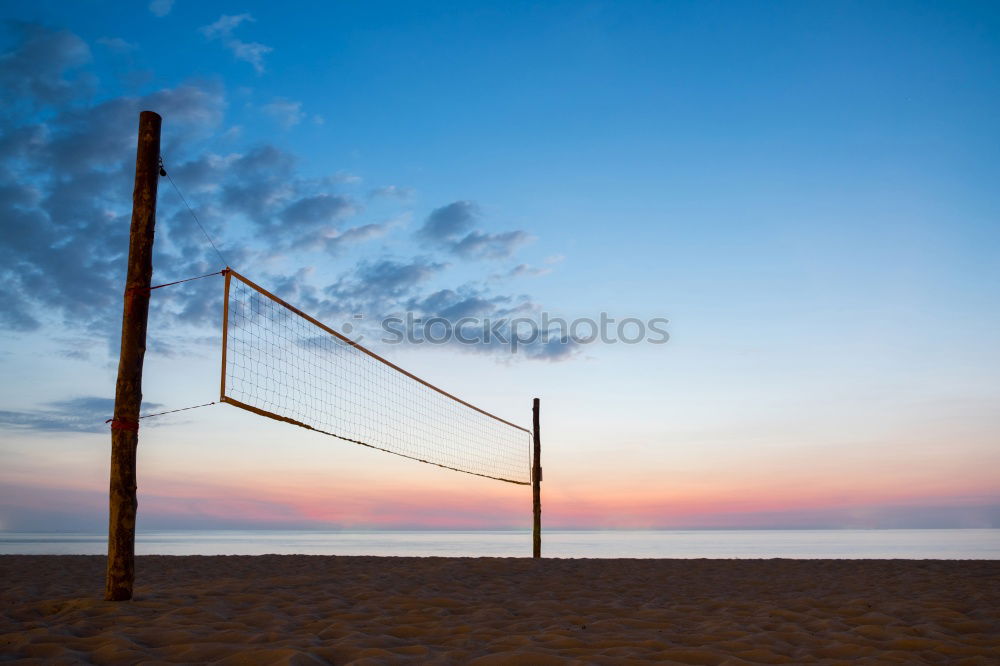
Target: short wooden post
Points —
{"points": [[536, 484], [128, 389]]}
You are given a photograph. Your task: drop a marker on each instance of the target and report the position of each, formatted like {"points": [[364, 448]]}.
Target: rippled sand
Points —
{"points": [[369, 610]]}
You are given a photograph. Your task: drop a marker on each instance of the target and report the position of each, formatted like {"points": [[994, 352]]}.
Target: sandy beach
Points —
{"points": [[370, 610]]}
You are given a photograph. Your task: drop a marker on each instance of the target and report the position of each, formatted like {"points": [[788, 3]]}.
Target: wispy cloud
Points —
{"points": [[481, 245], [391, 192], [286, 112], [450, 227], [377, 286], [447, 223], [222, 29], [161, 7], [346, 177], [117, 44], [522, 270]]}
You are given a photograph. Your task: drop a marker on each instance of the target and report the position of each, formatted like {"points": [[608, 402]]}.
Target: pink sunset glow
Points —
{"points": [[338, 501]]}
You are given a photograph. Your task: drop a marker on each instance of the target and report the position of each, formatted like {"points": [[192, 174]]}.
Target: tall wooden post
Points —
{"points": [[536, 484], [128, 389]]}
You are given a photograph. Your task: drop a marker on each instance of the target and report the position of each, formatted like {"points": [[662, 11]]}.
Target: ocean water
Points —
{"points": [[979, 544]]}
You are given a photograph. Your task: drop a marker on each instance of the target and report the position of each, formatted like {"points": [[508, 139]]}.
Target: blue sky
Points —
{"points": [[806, 190]]}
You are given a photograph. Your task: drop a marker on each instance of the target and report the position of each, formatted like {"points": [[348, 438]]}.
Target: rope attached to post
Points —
{"points": [[200, 277], [171, 411], [130, 292], [117, 424], [163, 172], [170, 284]]}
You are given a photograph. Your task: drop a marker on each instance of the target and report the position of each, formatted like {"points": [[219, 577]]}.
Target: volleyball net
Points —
{"points": [[281, 363]]}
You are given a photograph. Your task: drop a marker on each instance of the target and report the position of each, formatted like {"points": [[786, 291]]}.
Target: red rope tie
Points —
{"points": [[123, 425]]}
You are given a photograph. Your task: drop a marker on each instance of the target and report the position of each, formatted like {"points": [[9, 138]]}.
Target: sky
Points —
{"points": [[806, 191]]}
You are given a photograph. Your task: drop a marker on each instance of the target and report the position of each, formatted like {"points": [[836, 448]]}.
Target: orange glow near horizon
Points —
{"points": [[345, 503], [309, 483], [345, 506]]}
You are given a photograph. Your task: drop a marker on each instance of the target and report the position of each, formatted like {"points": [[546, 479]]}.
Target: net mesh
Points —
{"points": [[279, 363]]}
